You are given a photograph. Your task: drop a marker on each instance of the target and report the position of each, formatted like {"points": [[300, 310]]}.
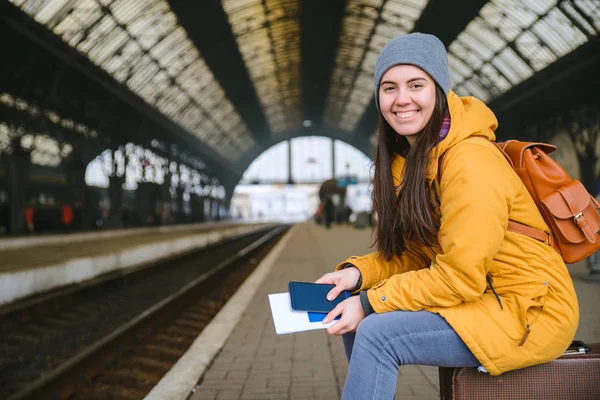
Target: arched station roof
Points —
{"points": [[225, 80]]}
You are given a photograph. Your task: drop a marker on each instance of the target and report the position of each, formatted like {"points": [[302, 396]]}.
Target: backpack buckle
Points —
{"points": [[547, 240], [576, 217]]}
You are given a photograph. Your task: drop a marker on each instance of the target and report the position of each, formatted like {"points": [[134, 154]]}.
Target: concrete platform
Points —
{"points": [[36, 240], [239, 355], [33, 265]]}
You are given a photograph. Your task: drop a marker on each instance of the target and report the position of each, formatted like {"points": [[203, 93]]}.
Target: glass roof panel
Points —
{"points": [[476, 45], [366, 27], [268, 35], [502, 66], [532, 49], [49, 9], [590, 8], [512, 39], [558, 33], [142, 45], [461, 69], [583, 23]]}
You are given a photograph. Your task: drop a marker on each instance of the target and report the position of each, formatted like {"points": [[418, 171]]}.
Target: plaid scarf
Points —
{"points": [[445, 127]]}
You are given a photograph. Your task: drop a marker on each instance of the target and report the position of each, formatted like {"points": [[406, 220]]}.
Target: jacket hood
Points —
{"points": [[468, 117]]}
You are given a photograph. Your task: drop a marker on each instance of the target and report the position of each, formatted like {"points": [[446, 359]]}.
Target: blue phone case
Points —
{"points": [[311, 297], [318, 317]]}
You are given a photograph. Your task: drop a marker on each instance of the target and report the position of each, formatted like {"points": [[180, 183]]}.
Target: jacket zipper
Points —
{"points": [[489, 281], [527, 327]]}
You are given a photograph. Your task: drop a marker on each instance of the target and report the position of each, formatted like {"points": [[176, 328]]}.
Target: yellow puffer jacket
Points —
{"points": [[479, 193]]}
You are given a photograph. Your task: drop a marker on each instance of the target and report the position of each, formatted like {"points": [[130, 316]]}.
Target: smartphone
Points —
{"points": [[576, 347], [307, 296]]}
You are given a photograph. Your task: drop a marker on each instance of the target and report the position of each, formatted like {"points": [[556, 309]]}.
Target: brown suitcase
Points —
{"points": [[570, 377]]}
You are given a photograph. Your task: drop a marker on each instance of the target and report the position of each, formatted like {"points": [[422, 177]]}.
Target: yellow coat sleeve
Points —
{"points": [[375, 268], [475, 204]]}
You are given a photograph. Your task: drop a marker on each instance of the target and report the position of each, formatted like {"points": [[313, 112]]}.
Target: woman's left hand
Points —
{"points": [[352, 313]]}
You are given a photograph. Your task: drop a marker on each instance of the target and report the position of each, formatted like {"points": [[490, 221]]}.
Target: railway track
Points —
{"points": [[117, 338]]}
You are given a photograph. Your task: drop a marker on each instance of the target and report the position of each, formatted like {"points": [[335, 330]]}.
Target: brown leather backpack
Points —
{"points": [[571, 213]]}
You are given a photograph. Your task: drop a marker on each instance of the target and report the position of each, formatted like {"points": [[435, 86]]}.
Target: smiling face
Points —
{"points": [[407, 100]]}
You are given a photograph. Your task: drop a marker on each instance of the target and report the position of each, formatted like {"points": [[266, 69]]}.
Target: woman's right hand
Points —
{"points": [[344, 279]]}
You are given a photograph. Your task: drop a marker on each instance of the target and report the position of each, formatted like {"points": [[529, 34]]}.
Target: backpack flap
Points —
{"points": [[572, 214]]}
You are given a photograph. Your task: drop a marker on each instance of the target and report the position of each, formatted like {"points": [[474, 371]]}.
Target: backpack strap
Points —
{"points": [[541, 236], [513, 226]]}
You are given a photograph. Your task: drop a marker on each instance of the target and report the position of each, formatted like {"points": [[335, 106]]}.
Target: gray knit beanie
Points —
{"points": [[419, 49]]}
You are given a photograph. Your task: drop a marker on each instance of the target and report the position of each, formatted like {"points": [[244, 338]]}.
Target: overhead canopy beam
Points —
{"points": [[321, 25], [208, 27], [442, 18]]}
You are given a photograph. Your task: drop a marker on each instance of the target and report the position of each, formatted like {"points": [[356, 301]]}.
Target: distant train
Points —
{"points": [[49, 209]]}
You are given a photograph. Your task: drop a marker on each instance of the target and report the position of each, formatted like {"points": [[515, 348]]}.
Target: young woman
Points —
{"points": [[448, 285]]}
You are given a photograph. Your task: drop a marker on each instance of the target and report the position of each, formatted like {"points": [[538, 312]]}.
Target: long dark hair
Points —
{"points": [[410, 216]]}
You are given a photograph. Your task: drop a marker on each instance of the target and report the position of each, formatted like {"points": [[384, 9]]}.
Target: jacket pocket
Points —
{"points": [[520, 310]]}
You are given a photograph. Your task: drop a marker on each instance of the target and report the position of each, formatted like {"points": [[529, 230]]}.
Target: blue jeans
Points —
{"points": [[385, 341]]}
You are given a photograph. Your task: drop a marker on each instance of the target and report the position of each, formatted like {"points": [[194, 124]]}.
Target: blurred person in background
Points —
{"points": [[328, 212]]}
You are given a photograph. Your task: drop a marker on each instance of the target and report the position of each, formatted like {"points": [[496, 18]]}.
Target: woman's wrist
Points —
{"points": [[359, 282]]}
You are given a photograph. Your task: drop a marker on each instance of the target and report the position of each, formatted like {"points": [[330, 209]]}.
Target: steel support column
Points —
{"points": [[333, 158], [197, 208], [16, 167], [115, 194], [75, 172], [180, 215], [290, 178]]}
